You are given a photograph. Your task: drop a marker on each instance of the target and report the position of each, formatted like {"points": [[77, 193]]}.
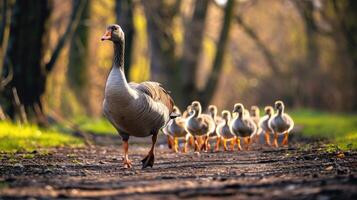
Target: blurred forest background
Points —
{"points": [[303, 52]]}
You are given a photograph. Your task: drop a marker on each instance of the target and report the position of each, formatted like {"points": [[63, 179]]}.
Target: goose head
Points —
{"points": [[226, 115], [269, 110], [176, 110], [196, 106], [113, 33], [212, 109], [279, 106], [238, 108], [254, 111]]}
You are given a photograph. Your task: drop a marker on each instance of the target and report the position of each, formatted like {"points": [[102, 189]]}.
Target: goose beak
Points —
{"points": [[107, 35]]}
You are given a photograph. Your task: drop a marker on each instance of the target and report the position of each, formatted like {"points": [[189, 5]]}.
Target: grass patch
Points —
{"points": [[340, 129], [16, 137], [98, 126]]}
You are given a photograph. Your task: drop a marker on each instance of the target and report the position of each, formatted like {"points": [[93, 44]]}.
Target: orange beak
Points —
{"points": [[107, 35]]}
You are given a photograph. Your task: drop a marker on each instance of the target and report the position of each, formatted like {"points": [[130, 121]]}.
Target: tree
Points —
{"points": [[160, 15], [78, 54], [194, 34], [24, 56], [212, 82]]}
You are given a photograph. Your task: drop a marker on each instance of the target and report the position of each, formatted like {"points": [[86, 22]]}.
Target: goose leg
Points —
{"points": [[197, 147], [192, 141], [127, 162], [267, 138], [286, 138], [175, 144], [239, 147], [249, 141], [169, 142], [275, 140], [218, 140], [207, 146], [187, 137], [232, 144], [150, 158], [224, 144]]}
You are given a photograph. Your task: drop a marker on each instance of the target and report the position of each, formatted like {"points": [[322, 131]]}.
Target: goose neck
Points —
{"points": [[119, 55]]}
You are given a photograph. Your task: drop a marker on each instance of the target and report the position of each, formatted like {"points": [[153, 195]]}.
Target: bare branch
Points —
{"points": [[73, 23]]}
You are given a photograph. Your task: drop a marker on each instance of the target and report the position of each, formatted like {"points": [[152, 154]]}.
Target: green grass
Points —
{"points": [[339, 129], [16, 137], [98, 126]]}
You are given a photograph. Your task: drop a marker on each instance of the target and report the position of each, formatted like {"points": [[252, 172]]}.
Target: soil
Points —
{"points": [[303, 171]]}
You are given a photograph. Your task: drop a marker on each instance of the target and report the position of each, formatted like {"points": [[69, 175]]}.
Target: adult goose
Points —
{"points": [[198, 124], [134, 109], [223, 129], [212, 111], [242, 126], [264, 123], [176, 129], [280, 123]]}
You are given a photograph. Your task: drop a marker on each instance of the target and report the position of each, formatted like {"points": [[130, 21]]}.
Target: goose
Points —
{"points": [[280, 123], [242, 126], [223, 129], [134, 109], [212, 111], [198, 124], [255, 116], [165, 130], [176, 129], [264, 125]]}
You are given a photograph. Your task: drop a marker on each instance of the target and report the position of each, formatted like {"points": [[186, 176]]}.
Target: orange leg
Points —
{"points": [[127, 162], [218, 140], [175, 144], [205, 143], [275, 140], [267, 138], [248, 141], [232, 144], [187, 137], [150, 158], [238, 144], [191, 141], [225, 145], [169, 142], [286, 138], [197, 146]]}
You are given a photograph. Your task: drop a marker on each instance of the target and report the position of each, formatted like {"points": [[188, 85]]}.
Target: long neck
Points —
{"points": [[240, 115], [118, 61], [280, 111]]}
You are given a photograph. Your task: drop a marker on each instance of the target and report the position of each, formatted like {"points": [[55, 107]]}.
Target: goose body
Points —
{"points": [[264, 123], [131, 109], [280, 123], [223, 129], [134, 109], [242, 126], [198, 124]]}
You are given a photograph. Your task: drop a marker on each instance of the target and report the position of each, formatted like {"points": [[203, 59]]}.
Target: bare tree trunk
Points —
{"points": [[78, 54], [3, 21], [160, 16], [124, 16], [24, 54], [207, 94], [192, 48]]}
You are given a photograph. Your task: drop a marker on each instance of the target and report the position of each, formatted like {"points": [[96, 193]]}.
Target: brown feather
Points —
{"points": [[156, 92]]}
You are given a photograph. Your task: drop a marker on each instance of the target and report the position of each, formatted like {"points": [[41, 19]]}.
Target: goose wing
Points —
{"points": [[156, 92]]}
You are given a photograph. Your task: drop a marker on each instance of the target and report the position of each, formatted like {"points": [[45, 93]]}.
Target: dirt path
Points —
{"points": [[259, 174]]}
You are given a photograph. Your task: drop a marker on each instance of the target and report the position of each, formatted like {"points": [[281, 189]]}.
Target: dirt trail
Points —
{"points": [[94, 172]]}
